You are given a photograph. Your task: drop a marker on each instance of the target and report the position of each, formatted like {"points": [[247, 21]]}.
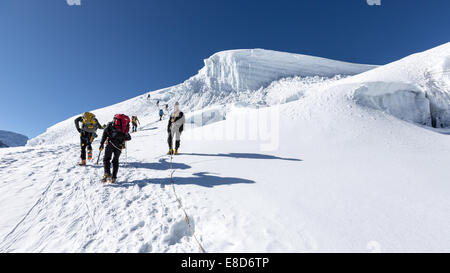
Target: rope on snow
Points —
{"points": [[186, 217]]}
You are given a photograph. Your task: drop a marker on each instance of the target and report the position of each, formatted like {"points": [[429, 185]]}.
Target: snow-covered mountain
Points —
{"points": [[236, 76], [282, 153], [10, 139]]}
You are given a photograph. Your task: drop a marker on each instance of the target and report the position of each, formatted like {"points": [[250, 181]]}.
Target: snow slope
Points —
{"points": [[318, 173], [10, 139]]}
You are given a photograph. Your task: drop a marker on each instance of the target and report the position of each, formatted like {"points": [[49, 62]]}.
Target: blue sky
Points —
{"points": [[58, 60]]}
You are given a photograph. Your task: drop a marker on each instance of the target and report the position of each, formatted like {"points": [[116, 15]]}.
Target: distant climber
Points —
{"points": [[87, 132], [167, 107], [175, 128], [148, 97], [115, 135], [157, 103], [161, 114], [135, 121]]}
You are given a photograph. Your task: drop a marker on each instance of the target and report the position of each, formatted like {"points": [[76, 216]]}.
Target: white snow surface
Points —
{"points": [[341, 172], [11, 139]]}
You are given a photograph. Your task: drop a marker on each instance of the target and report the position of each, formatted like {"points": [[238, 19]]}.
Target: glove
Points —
{"points": [[101, 148]]}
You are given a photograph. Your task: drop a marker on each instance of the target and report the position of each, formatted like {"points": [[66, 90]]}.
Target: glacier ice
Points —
{"points": [[415, 88]]}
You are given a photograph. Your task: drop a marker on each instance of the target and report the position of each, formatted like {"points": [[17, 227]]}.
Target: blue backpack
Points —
{"points": [[161, 112]]}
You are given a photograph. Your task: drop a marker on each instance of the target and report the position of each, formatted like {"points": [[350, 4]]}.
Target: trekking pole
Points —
{"points": [[98, 158], [126, 155]]}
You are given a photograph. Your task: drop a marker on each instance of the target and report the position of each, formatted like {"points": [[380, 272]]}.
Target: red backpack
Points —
{"points": [[122, 123]]}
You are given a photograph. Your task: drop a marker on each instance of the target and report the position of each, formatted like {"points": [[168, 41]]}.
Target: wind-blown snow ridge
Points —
{"points": [[242, 70]]}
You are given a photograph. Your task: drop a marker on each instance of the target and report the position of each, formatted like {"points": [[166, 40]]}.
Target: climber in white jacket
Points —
{"points": [[174, 128]]}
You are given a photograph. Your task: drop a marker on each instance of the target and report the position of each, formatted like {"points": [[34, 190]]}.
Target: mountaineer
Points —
{"points": [[175, 128], [115, 136], [87, 132]]}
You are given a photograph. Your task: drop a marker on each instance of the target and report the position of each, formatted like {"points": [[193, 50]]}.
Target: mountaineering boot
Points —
{"points": [[106, 178], [89, 155], [170, 152], [82, 163], [176, 151], [113, 180]]}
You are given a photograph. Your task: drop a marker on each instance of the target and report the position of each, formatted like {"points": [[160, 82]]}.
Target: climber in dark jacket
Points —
{"points": [[115, 142]]}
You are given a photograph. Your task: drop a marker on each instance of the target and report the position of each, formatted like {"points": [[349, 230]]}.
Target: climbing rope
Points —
{"points": [[40, 199], [87, 206], [110, 142], [186, 217]]}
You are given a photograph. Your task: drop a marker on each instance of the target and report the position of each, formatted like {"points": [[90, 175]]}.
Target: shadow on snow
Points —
{"points": [[148, 129], [161, 165], [245, 155], [203, 179]]}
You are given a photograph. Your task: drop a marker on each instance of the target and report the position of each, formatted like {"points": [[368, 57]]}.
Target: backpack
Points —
{"points": [[122, 123], [161, 112], [89, 122]]}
